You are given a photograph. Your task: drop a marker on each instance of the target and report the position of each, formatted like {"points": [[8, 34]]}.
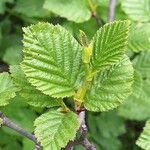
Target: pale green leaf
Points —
{"points": [[137, 10], [138, 84], [104, 129], [139, 37], [54, 129], [73, 10], [13, 55], [137, 108], [31, 95], [111, 87], [7, 89], [144, 139], [31, 8], [109, 44], [142, 64], [52, 59]]}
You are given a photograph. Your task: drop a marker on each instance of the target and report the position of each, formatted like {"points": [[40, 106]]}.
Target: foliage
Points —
{"points": [[44, 44], [7, 90], [101, 135], [55, 129], [61, 7], [70, 61], [143, 140], [137, 9]]}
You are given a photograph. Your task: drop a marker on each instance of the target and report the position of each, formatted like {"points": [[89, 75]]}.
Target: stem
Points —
{"points": [[79, 96], [111, 12], [8, 123], [93, 12], [97, 19], [83, 130], [86, 57], [82, 139]]}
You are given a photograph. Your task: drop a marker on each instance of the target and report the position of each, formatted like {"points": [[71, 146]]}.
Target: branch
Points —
{"points": [[111, 12], [8, 123], [97, 19], [83, 130], [82, 139]]}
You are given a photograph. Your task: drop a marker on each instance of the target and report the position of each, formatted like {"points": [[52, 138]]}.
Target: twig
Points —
{"points": [[83, 130], [8, 123], [111, 12], [97, 19], [82, 139]]}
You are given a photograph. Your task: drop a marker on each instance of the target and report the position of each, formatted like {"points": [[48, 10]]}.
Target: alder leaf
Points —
{"points": [[31, 8], [13, 55], [54, 129], [144, 139], [110, 87], [7, 89], [137, 10], [32, 96], [137, 84], [104, 130], [139, 43], [137, 108], [142, 64], [109, 44], [52, 59], [73, 10]]}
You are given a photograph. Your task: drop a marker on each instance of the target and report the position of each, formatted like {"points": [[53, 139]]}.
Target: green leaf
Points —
{"points": [[137, 108], [139, 43], [7, 89], [13, 55], [103, 123], [32, 96], [110, 87], [137, 10], [142, 64], [52, 59], [31, 8], [73, 10], [144, 139], [138, 84], [109, 44], [55, 129], [104, 130]]}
